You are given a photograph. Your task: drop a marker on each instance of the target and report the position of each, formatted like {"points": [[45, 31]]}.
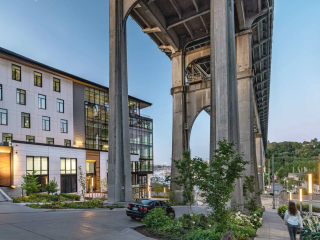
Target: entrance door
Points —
{"points": [[68, 183]]}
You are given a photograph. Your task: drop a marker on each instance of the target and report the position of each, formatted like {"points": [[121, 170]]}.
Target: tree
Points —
{"points": [[82, 181], [157, 188], [282, 172], [219, 182], [52, 186], [30, 183], [190, 175]]}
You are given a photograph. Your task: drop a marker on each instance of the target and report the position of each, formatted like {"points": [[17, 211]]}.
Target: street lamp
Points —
{"points": [[300, 198], [290, 196], [310, 193]]}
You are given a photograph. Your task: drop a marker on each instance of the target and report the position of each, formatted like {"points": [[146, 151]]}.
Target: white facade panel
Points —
{"points": [[9, 89], [22, 150]]}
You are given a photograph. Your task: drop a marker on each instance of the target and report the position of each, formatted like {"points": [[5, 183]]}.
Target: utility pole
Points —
{"points": [[274, 192]]}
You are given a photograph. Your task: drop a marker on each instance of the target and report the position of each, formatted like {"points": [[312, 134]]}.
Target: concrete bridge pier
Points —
{"points": [[224, 89], [119, 172]]}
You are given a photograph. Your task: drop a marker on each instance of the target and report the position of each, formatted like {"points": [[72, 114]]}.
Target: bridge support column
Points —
{"points": [[119, 169], [260, 159], [224, 93], [179, 131]]}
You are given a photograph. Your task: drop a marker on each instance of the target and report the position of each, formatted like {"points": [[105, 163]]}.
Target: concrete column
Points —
{"points": [[224, 94], [179, 134], [259, 149], [119, 176]]}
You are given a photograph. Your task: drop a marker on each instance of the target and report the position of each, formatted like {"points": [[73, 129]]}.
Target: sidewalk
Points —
{"points": [[273, 226]]}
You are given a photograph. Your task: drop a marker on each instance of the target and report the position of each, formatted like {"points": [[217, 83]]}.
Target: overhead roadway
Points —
{"points": [[184, 25]]}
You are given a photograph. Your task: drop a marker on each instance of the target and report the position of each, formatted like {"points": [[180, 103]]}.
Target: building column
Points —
{"points": [[224, 123], [259, 150], [119, 175], [179, 134]]}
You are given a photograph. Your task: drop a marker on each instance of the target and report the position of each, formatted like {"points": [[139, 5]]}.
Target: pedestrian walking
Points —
{"points": [[293, 220]]}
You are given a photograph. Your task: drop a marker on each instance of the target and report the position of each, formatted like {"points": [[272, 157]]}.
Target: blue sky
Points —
{"points": [[72, 35]]}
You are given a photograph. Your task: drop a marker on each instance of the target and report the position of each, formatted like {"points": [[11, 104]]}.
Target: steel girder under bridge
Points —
{"points": [[231, 39]]}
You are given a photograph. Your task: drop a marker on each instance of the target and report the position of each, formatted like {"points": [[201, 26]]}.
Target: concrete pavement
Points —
{"points": [[273, 226], [21, 222]]}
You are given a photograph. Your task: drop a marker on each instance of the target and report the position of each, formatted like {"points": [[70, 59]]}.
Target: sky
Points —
{"points": [[72, 35]]}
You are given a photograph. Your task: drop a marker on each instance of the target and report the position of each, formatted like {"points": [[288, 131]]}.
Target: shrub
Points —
{"points": [[30, 183], [259, 212], [52, 186], [204, 235], [70, 196], [241, 220], [242, 232], [196, 221], [305, 207], [282, 210], [156, 218], [255, 220]]}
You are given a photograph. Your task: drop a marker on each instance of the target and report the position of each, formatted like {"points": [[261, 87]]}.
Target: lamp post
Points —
{"points": [[310, 193], [92, 186], [290, 196], [300, 198], [274, 192]]}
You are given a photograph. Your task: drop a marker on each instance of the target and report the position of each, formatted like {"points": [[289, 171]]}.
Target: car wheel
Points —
{"points": [[133, 218]]}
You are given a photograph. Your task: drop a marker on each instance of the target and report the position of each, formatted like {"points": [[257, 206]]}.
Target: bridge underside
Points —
{"points": [[231, 39]]}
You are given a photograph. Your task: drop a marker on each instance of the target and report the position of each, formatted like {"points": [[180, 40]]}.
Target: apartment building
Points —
{"points": [[53, 122]]}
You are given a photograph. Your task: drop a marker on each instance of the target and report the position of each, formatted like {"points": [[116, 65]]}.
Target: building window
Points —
{"points": [[68, 166], [25, 120], [67, 143], [30, 139], [56, 84], [7, 137], [42, 101], [3, 116], [40, 166], [0, 92], [64, 126], [16, 72], [60, 105], [21, 97], [38, 79], [50, 141], [46, 123]]}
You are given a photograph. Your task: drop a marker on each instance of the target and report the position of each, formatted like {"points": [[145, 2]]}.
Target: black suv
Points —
{"points": [[140, 208]]}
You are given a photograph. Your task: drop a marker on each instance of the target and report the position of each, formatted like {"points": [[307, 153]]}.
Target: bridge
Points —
{"points": [[221, 63]]}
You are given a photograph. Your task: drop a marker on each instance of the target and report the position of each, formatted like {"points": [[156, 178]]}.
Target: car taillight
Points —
{"points": [[144, 209], [129, 206], [172, 209]]}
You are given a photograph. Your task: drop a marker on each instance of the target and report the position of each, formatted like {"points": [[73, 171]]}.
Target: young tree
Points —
{"points": [[190, 175], [82, 181], [52, 186], [157, 188], [30, 183], [219, 182]]}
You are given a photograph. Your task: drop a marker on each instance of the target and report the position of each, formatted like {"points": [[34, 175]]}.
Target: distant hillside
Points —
{"points": [[294, 156]]}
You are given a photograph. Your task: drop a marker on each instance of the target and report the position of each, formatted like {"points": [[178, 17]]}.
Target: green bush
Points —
{"points": [[30, 183], [305, 207], [282, 210], [259, 212], [52, 186], [70, 196], [243, 232], [156, 218], [204, 235]]}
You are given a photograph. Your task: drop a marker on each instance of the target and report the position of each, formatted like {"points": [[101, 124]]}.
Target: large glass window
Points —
{"points": [[56, 84], [67, 143], [90, 167], [38, 79], [16, 72], [7, 137], [0, 92], [50, 141], [25, 120], [30, 139], [68, 166], [64, 126], [38, 164], [3, 116], [46, 123], [42, 101], [60, 105]]}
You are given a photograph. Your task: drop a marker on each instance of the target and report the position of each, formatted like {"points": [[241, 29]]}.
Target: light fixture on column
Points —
{"points": [[300, 198], [310, 186]]}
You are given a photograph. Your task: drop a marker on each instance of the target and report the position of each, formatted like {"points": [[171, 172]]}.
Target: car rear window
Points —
{"points": [[144, 202]]}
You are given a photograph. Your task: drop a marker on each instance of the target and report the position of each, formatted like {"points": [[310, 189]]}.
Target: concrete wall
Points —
{"points": [[14, 110]]}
